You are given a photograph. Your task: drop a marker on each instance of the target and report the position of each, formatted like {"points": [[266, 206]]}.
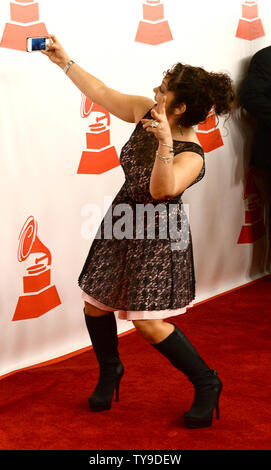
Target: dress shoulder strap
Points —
{"points": [[184, 146]]}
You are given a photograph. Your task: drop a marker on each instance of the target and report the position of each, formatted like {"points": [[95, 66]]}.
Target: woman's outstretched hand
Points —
{"points": [[162, 132], [56, 52]]}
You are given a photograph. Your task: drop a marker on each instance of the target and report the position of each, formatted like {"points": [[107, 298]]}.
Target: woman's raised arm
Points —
{"points": [[129, 108]]}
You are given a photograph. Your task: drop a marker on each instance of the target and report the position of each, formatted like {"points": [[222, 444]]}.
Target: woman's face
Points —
{"points": [[161, 91]]}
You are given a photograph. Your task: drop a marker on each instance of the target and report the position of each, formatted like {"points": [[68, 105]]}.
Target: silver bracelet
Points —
{"points": [[166, 145], [67, 66], [164, 159]]}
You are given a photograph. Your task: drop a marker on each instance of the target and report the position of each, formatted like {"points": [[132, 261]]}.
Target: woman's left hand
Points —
{"points": [[162, 132]]}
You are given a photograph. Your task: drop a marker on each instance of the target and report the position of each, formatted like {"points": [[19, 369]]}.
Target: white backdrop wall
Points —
{"points": [[43, 135]]}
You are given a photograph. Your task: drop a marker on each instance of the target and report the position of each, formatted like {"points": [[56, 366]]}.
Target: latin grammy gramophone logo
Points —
{"points": [[24, 22], [153, 29], [254, 226], [250, 26], [209, 134], [99, 156], [39, 296]]}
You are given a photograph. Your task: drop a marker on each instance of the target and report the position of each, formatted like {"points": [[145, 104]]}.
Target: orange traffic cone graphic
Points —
{"points": [[24, 15], [153, 29], [250, 26], [254, 227], [208, 134], [39, 295], [99, 155]]}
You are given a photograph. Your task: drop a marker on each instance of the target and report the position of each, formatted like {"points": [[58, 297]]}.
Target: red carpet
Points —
{"points": [[46, 407]]}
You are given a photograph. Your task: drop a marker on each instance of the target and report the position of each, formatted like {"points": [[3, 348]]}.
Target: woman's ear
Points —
{"points": [[180, 109]]}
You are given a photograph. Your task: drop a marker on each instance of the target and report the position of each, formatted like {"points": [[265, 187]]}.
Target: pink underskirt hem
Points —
{"points": [[137, 314]]}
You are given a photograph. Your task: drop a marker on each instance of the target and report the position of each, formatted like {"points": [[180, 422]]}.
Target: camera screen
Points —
{"points": [[38, 44]]}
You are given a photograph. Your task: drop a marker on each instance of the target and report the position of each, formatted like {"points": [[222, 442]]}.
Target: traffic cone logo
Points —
{"points": [[254, 227], [24, 16], [208, 134], [99, 155], [250, 26], [153, 29], [39, 296]]}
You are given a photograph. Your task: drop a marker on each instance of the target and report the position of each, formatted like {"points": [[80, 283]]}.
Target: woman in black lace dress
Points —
{"points": [[147, 273]]}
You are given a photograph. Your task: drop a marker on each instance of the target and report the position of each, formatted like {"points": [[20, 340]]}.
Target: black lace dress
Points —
{"points": [[145, 274]]}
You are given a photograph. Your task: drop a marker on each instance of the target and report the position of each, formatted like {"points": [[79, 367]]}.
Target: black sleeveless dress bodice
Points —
{"points": [[144, 270]]}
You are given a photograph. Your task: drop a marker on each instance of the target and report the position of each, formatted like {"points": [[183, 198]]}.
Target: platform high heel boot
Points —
{"points": [[103, 334], [180, 352]]}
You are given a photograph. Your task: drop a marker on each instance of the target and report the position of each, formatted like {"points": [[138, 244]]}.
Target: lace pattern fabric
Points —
{"points": [[138, 274]]}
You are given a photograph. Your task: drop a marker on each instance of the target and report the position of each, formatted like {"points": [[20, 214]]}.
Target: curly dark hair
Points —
{"points": [[200, 91]]}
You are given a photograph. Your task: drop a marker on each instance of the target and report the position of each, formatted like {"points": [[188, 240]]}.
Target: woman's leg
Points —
{"points": [[168, 339], [93, 311], [102, 330], [154, 331]]}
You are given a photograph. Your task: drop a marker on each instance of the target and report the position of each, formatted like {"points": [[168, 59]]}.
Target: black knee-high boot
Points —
{"points": [[103, 334], [180, 352]]}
